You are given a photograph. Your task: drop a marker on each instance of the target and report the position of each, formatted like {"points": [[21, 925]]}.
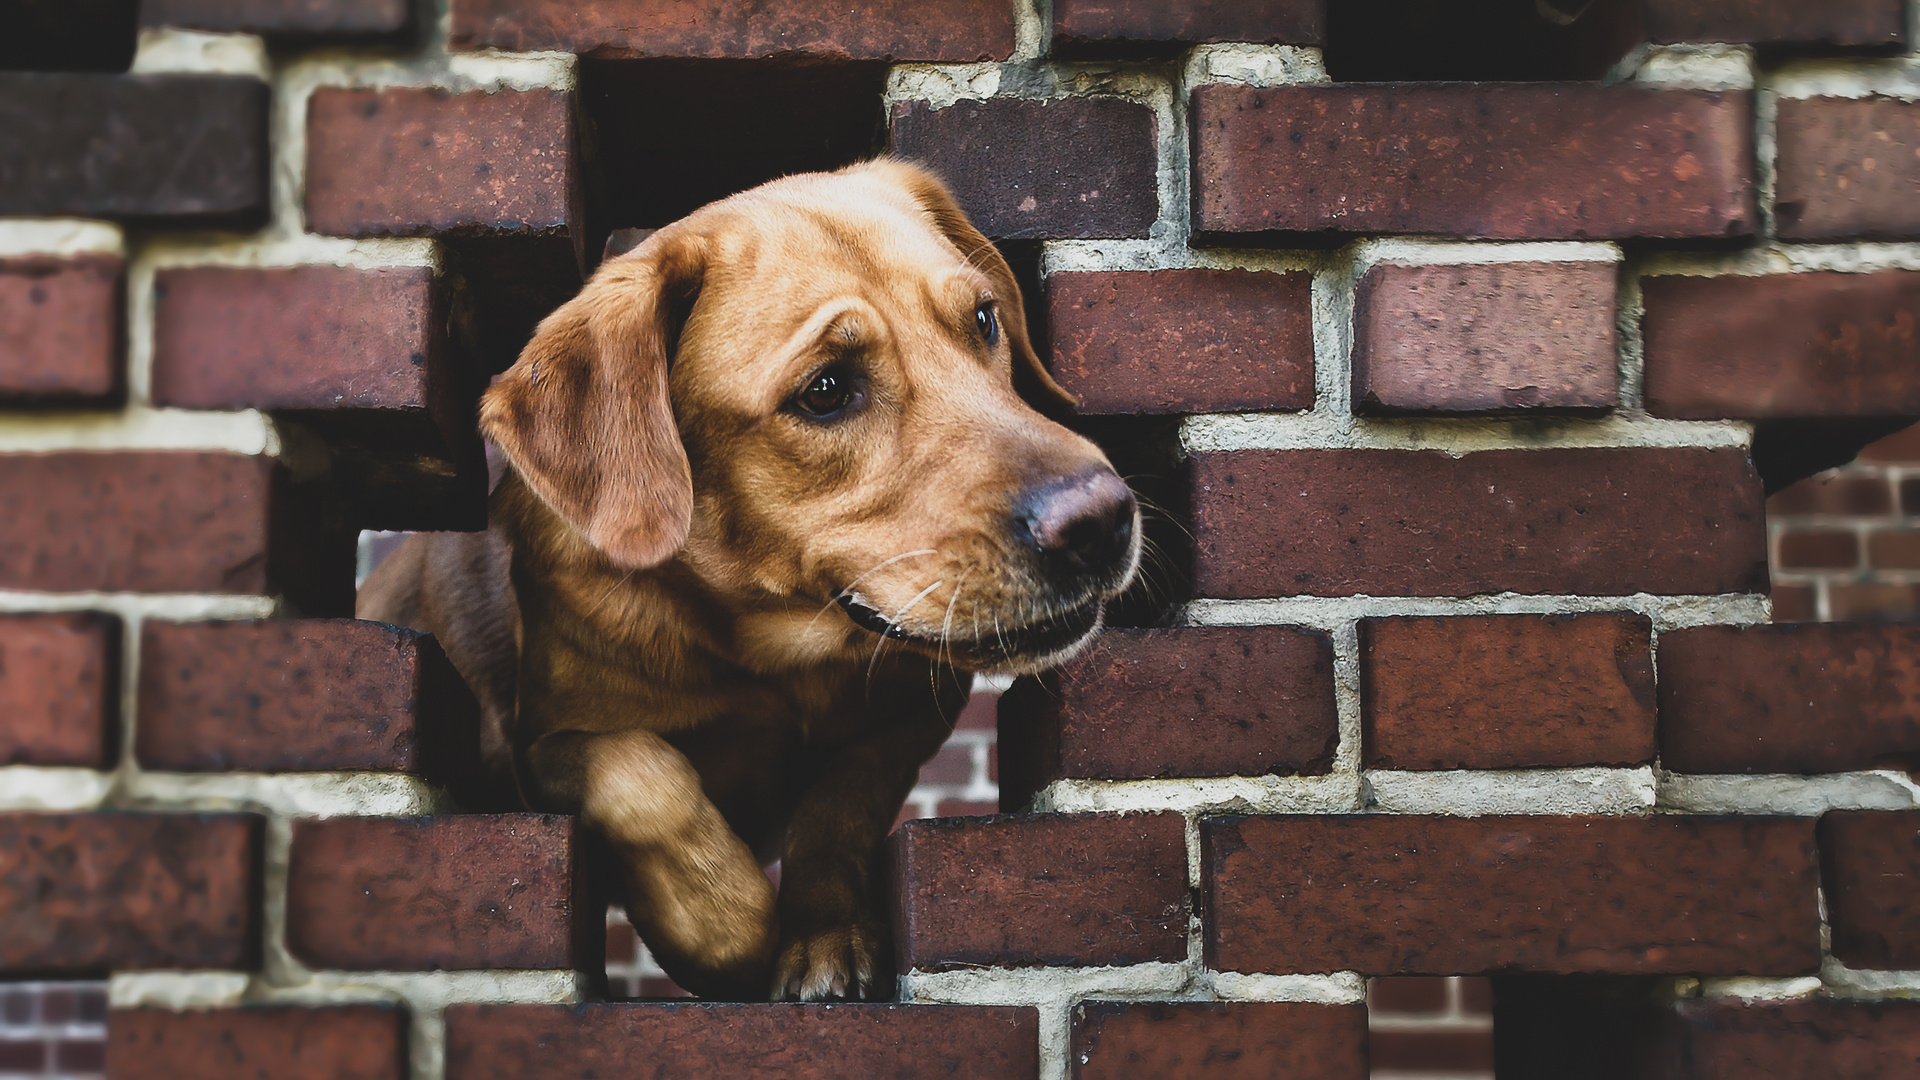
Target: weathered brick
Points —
{"points": [[1485, 338], [1496, 160], [1400, 523], [1182, 341], [184, 149], [1842, 1040], [1040, 170], [84, 893], [287, 1042], [1186, 701], [1783, 345], [61, 330], [1833, 494], [1813, 549], [802, 1042], [929, 30], [1448, 1052], [1872, 601], [457, 892], [1862, 23], [1792, 698], [1155, 27], [59, 680], [1794, 603], [1086, 890], [281, 18], [426, 162], [1848, 169], [1889, 549], [1407, 994], [1870, 868], [1507, 691], [1393, 894], [1218, 1040]]}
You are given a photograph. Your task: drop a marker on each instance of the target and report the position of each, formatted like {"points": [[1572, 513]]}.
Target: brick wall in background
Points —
{"points": [[1845, 544]]}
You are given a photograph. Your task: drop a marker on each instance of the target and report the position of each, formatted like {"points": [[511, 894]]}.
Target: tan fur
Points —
{"points": [[670, 662]]}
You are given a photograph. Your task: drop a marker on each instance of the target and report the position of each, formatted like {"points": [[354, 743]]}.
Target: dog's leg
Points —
{"points": [[691, 886]]}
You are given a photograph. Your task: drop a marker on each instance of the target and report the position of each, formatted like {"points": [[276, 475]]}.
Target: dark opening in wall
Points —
{"points": [[1399, 40], [68, 35]]}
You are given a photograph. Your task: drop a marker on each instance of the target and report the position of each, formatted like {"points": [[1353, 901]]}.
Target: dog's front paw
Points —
{"points": [[841, 964]]}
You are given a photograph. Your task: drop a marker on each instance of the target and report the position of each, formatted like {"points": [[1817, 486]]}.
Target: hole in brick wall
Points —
{"points": [[1845, 541], [1146, 452], [1397, 40], [1786, 451], [1576, 1027], [68, 35]]}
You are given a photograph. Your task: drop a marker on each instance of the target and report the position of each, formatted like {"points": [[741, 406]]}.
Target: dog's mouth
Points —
{"points": [[1014, 648]]}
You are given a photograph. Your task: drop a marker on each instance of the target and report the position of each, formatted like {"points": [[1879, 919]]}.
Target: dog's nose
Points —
{"points": [[1079, 523]]}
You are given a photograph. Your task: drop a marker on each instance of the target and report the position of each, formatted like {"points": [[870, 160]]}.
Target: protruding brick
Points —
{"points": [[279, 18], [287, 1042], [926, 30], [1187, 701], [1485, 338], [175, 149], [1040, 170], [1849, 169], [59, 680], [801, 1042], [1392, 894], [1084, 890], [85, 893], [458, 892], [1783, 345], [1507, 691], [1218, 1040], [1792, 698], [1845, 1040], [1874, 24], [1157, 27], [1496, 160], [1400, 523], [425, 162], [61, 335], [1870, 868], [1182, 341]]}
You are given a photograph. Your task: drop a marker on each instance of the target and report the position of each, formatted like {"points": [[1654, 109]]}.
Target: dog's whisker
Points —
{"points": [[893, 621], [847, 589]]}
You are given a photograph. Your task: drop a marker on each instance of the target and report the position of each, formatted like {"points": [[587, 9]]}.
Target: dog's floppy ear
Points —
{"points": [[584, 414], [1030, 377]]}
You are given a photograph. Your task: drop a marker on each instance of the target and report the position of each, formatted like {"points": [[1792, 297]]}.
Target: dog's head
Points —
{"points": [[820, 397]]}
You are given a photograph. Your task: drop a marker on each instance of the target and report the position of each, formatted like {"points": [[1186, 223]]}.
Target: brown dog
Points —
{"points": [[779, 476]]}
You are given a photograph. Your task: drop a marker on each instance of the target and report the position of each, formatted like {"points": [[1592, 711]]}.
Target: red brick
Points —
{"points": [[29, 1057], [1507, 691], [1868, 23], [952, 765], [1870, 868], [1497, 160], [1822, 549], [1835, 1040], [800, 1042], [1086, 890], [1794, 603], [1901, 446], [1155, 27], [1493, 338], [965, 808], [1833, 493], [1476, 995], [1403, 894], [930, 30], [1873, 602], [1848, 169], [1182, 341], [297, 695], [84, 893], [1792, 698], [425, 162], [1218, 1040], [1184, 701], [1411, 994], [979, 713], [79, 1055], [330, 18], [458, 892], [1452, 1052], [1783, 345], [59, 689], [61, 328], [286, 1042], [1890, 550], [1422, 523], [1040, 170]]}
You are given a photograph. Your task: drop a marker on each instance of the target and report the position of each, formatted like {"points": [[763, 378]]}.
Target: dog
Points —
{"points": [[778, 479]]}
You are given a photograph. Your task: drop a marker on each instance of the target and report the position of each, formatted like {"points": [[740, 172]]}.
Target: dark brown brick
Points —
{"points": [[1848, 169], [1870, 867], [1218, 1040], [1784, 345], [84, 893], [1040, 170], [1891, 550], [1839, 1040], [59, 689], [1507, 691], [458, 892], [286, 1042], [326, 18], [1868, 23], [1792, 698], [1393, 894], [1493, 338], [1833, 494], [1794, 603], [1817, 549], [1085, 890], [803, 1042], [1446, 1052], [1873, 602], [1497, 160], [1407, 994], [1182, 341], [1186, 701], [930, 30], [1155, 27], [425, 162], [1400, 523], [183, 149], [61, 330], [1901, 446]]}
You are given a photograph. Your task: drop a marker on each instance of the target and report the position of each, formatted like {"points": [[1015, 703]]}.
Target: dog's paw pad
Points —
{"points": [[833, 965]]}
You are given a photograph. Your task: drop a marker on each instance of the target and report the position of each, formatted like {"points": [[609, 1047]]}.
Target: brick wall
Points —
{"points": [[1456, 349]]}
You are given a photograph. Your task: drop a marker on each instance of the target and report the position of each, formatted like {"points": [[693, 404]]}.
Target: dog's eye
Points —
{"points": [[989, 323], [830, 391]]}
